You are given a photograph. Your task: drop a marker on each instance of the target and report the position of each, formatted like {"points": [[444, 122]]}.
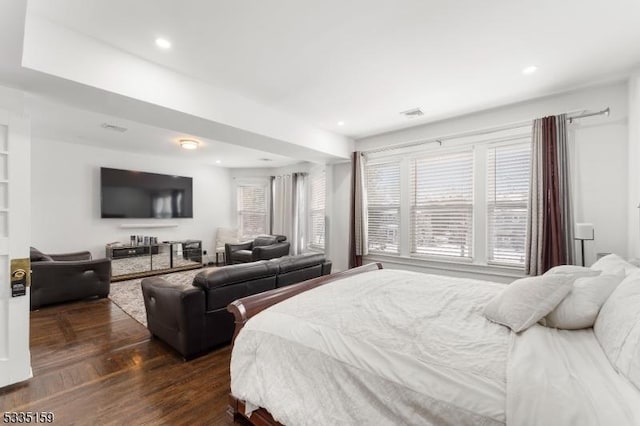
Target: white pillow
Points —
{"points": [[617, 328], [525, 301], [610, 263], [581, 306], [575, 270]]}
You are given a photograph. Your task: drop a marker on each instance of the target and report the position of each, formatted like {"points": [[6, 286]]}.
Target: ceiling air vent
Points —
{"points": [[413, 113], [113, 127]]}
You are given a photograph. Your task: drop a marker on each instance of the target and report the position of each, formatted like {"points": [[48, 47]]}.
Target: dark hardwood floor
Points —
{"points": [[93, 364]]}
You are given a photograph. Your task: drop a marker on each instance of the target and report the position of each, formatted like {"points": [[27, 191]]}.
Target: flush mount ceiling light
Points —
{"points": [[529, 70], [189, 144], [163, 43], [218, 161], [340, 123]]}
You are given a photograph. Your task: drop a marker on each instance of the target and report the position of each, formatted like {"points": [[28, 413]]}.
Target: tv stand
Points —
{"points": [[129, 261]]}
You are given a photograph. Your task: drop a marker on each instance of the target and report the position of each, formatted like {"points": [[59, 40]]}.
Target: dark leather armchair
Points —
{"points": [[263, 247], [66, 277]]}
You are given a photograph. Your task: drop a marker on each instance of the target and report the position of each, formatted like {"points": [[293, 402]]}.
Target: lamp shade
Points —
{"points": [[584, 231]]}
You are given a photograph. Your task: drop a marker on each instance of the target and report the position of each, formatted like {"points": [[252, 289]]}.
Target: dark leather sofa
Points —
{"points": [[195, 320], [57, 278], [263, 247]]}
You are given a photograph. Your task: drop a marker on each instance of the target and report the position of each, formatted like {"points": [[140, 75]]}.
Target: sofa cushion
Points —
{"points": [[242, 255], [293, 263], [265, 240], [36, 255], [232, 274]]}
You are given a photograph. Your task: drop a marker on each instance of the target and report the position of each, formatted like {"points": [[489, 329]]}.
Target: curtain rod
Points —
{"points": [[605, 112], [573, 115]]}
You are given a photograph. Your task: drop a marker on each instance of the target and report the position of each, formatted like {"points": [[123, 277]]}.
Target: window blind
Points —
{"points": [[383, 206], [316, 210], [441, 203], [508, 168], [252, 210]]}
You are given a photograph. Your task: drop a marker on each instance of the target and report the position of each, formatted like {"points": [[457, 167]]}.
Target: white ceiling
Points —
{"points": [[364, 61], [56, 121]]}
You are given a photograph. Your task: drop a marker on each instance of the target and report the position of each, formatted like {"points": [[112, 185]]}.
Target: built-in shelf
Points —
{"points": [[148, 225]]}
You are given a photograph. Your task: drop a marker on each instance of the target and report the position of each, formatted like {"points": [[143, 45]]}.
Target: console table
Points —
{"points": [[129, 261]]}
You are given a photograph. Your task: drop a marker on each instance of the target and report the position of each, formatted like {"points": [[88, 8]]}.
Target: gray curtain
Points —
{"points": [[288, 209], [550, 218], [533, 255], [566, 209], [358, 243]]}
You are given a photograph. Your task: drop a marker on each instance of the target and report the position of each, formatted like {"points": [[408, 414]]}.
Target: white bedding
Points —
{"points": [[394, 347], [563, 377], [383, 347]]}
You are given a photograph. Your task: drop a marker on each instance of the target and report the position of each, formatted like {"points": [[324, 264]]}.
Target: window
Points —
{"points": [[441, 202], [317, 188], [507, 197], [461, 201], [252, 210], [383, 201]]}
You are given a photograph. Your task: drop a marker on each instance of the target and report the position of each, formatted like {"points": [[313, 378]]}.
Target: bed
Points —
{"points": [[389, 347]]}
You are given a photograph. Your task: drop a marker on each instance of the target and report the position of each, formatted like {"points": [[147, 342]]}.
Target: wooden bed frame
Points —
{"points": [[245, 308]]}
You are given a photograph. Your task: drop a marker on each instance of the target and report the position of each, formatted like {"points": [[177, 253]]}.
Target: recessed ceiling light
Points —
{"points": [[218, 161], [163, 43], [529, 70], [189, 144], [340, 123]]}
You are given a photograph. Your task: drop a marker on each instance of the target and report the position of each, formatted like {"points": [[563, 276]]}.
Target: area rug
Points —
{"points": [[128, 294]]}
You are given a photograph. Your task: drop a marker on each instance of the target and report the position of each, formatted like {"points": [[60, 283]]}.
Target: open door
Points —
{"points": [[15, 216]]}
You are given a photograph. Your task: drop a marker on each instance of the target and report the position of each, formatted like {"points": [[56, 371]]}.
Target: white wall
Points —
{"points": [[65, 197], [633, 218], [599, 148]]}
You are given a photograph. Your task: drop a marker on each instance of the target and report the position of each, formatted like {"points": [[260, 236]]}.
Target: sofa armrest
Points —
{"points": [[326, 267], [231, 247], [270, 252], [175, 315], [53, 282], [66, 257]]}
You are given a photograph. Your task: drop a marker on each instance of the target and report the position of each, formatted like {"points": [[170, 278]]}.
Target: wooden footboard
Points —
{"points": [[245, 308]]}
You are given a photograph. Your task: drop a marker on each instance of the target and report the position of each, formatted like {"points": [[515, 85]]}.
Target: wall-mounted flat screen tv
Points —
{"points": [[132, 194]]}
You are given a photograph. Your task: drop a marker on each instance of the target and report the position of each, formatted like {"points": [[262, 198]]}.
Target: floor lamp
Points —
{"points": [[584, 232]]}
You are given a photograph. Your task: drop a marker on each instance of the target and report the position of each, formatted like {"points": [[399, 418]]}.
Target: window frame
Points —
{"points": [[505, 143], [479, 144], [256, 183], [382, 207], [311, 246]]}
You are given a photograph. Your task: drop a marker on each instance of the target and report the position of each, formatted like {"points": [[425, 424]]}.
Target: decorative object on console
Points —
{"points": [[57, 278], [584, 232], [263, 247]]}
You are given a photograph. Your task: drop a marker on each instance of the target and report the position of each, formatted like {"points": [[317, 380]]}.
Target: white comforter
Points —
{"points": [[383, 347], [394, 347], [563, 377]]}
